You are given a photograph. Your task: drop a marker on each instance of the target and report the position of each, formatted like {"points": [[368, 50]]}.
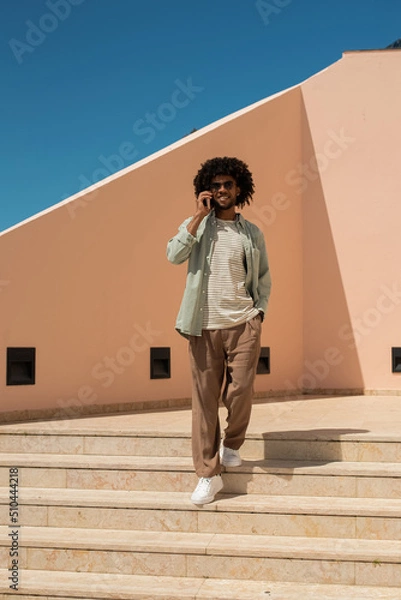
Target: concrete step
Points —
{"points": [[253, 557], [272, 477], [296, 445], [81, 442], [105, 512], [59, 585], [367, 518]]}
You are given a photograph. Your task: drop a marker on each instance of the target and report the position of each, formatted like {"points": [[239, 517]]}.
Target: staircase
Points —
{"points": [[103, 509]]}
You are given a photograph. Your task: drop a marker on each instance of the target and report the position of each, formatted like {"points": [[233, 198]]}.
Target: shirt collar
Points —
{"points": [[239, 219]]}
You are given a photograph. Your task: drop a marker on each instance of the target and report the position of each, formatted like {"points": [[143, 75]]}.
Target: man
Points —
{"points": [[225, 298]]}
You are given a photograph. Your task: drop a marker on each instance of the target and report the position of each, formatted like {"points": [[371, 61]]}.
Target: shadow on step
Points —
{"points": [[287, 453], [321, 445]]}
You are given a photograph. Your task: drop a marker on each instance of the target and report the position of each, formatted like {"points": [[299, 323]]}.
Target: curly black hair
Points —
{"points": [[226, 166]]}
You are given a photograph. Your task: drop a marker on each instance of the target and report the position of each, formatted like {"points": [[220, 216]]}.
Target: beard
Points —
{"points": [[226, 205]]}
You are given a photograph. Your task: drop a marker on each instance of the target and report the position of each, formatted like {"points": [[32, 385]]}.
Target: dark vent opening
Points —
{"points": [[160, 367], [21, 366]]}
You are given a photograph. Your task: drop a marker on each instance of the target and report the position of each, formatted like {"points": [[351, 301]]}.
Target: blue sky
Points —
{"points": [[82, 80]]}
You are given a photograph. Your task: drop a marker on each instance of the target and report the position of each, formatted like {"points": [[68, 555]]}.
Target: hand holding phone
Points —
{"points": [[205, 202]]}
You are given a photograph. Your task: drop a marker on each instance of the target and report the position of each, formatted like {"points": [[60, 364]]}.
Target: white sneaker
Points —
{"points": [[206, 489], [229, 457]]}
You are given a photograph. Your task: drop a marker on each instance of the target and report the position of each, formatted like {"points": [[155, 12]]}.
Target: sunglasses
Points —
{"points": [[227, 185]]}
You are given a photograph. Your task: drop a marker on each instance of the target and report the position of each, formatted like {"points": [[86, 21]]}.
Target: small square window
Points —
{"points": [[21, 366], [160, 363]]}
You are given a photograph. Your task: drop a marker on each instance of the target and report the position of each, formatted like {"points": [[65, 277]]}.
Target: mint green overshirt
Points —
{"points": [[198, 250]]}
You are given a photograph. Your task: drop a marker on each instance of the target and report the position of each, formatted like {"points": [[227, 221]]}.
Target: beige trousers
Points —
{"points": [[223, 363]]}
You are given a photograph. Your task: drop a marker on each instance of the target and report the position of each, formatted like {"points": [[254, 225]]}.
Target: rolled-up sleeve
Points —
{"points": [[180, 246]]}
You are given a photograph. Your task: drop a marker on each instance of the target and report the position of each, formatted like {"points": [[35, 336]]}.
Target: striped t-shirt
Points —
{"points": [[227, 303]]}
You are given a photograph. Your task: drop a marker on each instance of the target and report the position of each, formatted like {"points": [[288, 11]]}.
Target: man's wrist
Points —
{"points": [[193, 225]]}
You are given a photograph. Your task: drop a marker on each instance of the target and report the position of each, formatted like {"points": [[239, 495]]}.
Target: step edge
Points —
{"points": [[58, 579], [262, 504], [163, 463], [239, 545]]}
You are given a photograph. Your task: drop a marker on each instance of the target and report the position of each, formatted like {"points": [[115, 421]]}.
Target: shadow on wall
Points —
{"points": [[330, 359]]}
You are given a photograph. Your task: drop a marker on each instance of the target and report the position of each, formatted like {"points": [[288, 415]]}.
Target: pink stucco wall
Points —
{"points": [[88, 284], [352, 216]]}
